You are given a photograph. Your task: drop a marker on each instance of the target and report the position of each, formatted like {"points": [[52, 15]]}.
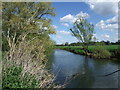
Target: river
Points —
{"points": [[78, 71]]}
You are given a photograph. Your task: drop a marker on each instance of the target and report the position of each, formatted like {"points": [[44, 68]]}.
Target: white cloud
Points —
{"points": [[70, 19], [58, 36], [82, 14], [112, 20], [63, 32], [54, 26], [109, 24], [106, 36], [116, 33], [65, 24], [104, 8]]}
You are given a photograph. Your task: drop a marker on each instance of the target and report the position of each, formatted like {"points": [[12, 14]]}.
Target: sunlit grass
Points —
{"points": [[78, 49]]}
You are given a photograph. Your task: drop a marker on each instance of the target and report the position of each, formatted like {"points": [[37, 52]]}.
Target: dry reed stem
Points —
{"points": [[20, 54]]}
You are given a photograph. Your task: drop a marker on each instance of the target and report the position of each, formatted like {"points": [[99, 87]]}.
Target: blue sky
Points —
{"points": [[102, 14]]}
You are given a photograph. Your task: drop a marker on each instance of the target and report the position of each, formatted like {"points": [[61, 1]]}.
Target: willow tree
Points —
{"points": [[83, 31], [27, 17], [26, 28]]}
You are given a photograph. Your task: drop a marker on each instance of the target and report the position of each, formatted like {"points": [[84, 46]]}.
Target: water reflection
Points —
{"points": [[82, 71], [85, 78]]}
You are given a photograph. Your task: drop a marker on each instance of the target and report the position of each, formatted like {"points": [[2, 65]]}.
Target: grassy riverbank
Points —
{"points": [[113, 49]]}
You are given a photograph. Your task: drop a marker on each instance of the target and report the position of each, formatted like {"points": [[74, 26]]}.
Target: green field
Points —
{"points": [[78, 49]]}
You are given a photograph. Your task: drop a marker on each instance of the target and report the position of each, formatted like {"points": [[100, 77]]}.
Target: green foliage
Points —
{"points": [[26, 40], [12, 79], [101, 52], [26, 17], [83, 31]]}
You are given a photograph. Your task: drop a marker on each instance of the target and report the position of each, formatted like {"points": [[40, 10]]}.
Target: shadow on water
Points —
{"points": [[77, 71]]}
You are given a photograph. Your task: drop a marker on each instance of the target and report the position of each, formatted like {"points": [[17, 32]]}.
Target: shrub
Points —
{"points": [[101, 52], [23, 66], [12, 79]]}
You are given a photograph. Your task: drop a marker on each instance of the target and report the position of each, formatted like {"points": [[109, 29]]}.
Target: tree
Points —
{"points": [[26, 17], [83, 31], [26, 30], [66, 43]]}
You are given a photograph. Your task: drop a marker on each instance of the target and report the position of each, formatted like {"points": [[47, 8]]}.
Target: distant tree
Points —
{"points": [[66, 44], [100, 43], [118, 40], [83, 31], [107, 42]]}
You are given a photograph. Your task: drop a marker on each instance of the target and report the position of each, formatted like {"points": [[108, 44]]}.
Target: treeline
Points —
{"points": [[90, 43]]}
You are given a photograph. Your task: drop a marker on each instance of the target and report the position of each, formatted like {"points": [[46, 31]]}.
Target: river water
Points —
{"points": [[78, 71]]}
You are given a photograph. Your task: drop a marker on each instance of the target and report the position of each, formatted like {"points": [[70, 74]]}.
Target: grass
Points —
{"points": [[90, 48], [78, 49]]}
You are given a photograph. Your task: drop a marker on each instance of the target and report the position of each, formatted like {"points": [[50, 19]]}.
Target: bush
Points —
{"points": [[101, 52], [12, 79], [23, 66]]}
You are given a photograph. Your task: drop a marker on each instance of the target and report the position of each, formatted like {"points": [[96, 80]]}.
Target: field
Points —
{"points": [[78, 49]]}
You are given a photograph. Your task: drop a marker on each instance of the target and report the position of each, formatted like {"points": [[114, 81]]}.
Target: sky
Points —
{"points": [[103, 15]]}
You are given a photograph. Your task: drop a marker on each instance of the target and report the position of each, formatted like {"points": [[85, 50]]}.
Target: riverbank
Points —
{"points": [[113, 49]]}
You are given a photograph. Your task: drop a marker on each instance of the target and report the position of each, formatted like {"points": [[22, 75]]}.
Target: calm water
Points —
{"points": [[78, 71]]}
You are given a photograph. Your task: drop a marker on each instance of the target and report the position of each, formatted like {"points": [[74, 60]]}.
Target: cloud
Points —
{"points": [[104, 8], [63, 32], [84, 15], [58, 36], [65, 24], [109, 24], [70, 19], [112, 20], [54, 26], [106, 36]]}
